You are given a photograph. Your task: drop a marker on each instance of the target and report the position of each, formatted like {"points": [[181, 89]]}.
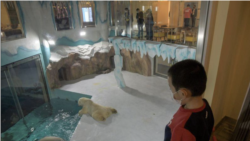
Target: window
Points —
{"points": [[62, 15], [11, 25], [87, 13], [174, 23]]}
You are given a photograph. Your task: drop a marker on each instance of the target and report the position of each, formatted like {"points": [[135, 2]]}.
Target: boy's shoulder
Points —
{"points": [[200, 124]]}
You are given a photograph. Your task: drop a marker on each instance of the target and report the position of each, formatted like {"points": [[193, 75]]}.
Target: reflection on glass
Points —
{"points": [[9, 111], [140, 22], [122, 18], [174, 23], [168, 21], [149, 23], [22, 91], [29, 85]]}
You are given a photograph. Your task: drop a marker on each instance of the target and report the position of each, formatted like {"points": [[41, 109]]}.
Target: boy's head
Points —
{"points": [[187, 78]]}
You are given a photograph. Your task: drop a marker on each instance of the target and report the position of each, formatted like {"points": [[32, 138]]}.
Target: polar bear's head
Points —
{"points": [[84, 101]]}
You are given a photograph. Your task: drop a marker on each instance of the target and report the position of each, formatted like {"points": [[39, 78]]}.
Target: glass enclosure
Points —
{"points": [[23, 89], [167, 21], [173, 23]]}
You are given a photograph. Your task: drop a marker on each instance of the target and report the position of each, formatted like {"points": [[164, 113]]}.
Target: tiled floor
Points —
{"points": [[144, 108]]}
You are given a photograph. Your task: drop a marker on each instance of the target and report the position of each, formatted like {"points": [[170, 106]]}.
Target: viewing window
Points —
{"points": [[87, 13], [62, 15], [11, 25]]}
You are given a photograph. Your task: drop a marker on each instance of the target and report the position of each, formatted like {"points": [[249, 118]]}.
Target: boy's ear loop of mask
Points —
{"points": [[178, 101]]}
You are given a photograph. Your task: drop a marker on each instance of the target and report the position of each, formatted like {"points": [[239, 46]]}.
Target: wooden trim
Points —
{"points": [[210, 34]]}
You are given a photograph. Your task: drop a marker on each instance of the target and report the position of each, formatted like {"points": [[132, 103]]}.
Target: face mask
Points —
{"points": [[177, 101]]}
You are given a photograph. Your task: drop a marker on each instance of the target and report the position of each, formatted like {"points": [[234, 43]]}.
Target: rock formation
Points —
{"points": [[134, 63], [73, 67]]}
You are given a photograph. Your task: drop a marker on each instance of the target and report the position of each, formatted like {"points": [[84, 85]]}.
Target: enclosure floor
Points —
{"points": [[144, 107]]}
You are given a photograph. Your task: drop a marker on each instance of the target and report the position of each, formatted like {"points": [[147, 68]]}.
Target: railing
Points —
{"points": [[242, 130]]}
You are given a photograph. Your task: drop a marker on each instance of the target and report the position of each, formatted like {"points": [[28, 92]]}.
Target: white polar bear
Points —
{"points": [[98, 112], [50, 138]]}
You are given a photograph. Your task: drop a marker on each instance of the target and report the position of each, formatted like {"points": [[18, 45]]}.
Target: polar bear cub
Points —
{"points": [[98, 112]]}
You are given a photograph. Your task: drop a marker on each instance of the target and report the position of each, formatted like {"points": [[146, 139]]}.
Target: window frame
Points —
{"points": [[70, 15], [20, 20], [84, 4]]}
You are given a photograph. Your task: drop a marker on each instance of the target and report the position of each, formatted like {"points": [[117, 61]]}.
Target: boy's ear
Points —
{"points": [[185, 92]]}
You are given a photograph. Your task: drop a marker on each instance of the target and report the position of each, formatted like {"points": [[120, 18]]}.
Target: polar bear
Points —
{"points": [[51, 138], [98, 112]]}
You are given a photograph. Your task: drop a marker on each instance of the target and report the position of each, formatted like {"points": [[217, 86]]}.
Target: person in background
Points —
{"points": [[127, 19], [193, 15], [140, 20], [149, 23], [187, 15]]}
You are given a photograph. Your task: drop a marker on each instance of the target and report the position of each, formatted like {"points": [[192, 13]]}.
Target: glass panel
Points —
{"points": [[9, 108], [62, 15], [145, 15], [123, 18], [29, 85], [11, 26], [174, 24], [168, 21], [25, 92]]}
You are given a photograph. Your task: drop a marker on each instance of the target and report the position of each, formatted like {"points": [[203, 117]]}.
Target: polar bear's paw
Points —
{"points": [[113, 110], [98, 116]]}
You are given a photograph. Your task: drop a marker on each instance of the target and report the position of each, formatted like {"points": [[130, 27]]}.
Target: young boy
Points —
{"points": [[194, 120]]}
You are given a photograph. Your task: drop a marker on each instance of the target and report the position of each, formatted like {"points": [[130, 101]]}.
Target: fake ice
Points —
{"points": [[153, 48]]}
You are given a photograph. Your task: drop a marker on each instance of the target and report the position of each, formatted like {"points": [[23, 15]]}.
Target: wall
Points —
{"points": [[15, 50], [39, 27], [228, 71], [47, 30], [216, 40], [162, 12]]}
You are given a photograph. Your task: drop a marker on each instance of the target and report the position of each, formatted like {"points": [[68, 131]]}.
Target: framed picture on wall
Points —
{"points": [[11, 22], [62, 15]]}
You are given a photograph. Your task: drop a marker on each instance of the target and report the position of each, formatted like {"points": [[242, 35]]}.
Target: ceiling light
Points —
{"points": [[82, 33]]}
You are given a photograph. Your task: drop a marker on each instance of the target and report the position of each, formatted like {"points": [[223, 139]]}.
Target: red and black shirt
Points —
{"points": [[191, 125]]}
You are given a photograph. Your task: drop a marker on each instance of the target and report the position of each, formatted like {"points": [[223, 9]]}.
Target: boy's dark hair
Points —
{"points": [[137, 9], [189, 74], [126, 8]]}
